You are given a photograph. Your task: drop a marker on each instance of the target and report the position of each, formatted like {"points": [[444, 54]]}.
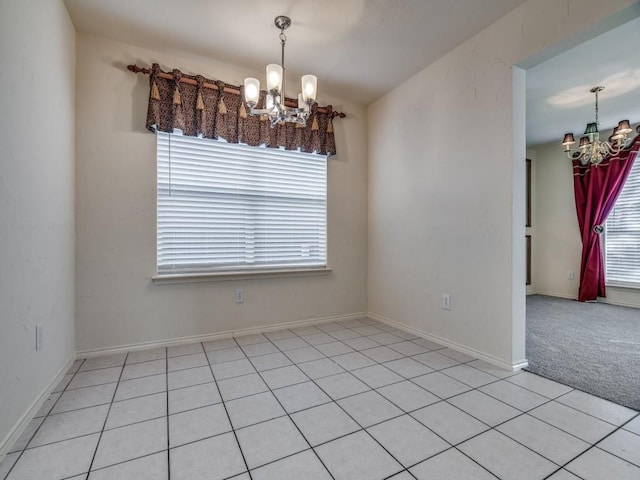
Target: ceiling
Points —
{"points": [[359, 48], [558, 96]]}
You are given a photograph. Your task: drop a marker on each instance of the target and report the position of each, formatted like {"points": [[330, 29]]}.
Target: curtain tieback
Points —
{"points": [[598, 229]]}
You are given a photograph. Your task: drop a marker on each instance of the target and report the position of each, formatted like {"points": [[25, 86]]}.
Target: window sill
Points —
{"points": [[230, 276]]}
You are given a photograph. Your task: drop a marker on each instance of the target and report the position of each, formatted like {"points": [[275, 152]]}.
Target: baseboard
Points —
{"points": [[556, 294], [498, 362], [215, 336], [26, 418]]}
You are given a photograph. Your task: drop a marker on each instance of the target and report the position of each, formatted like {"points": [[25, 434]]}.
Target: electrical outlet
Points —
{"points": [[39, 337], [446, 301], [570, 275], [239, 295]]}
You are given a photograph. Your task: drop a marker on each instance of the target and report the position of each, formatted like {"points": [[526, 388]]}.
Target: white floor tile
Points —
{"points": [[222, 371], [408, 440], [279, 334], [456, 355], [344, 458], [286, 344], [450, 465], [95, 377], [300, 396], [132, 441], [85, 397], [251, 339], [435, 360], [576, 423], [402, 476], [382, 354], [225, 355], [483, 407], [152, 467], [408, 348], [344, 334], [341, 385], [386, 338], [408, 396], [146, 355], [305, 354], [516, 396], [257, 349], [633, 425], [269, 441], [7, 462], [623, 444], [377, 376], [353, 361], [329, 327], [304, 465], [441, 385], [144, 369], [64, 383], [190, 377], [369, 408], [305, 331], [563, 475], [506, 458], [320, 368], [270, 361], [470, 376], [193, 397], [597, 407], [238, 387], [318, 339], [538, 384], [55, 461], [283, 377], [185, 349], [253, 409], [137, 409], [107, 361], [219, 344], [187, 361], [596, 464], [368, 330], [210, 459], [324, 423], [68, 425], [194, 425], [450, 423], [141, 386], [548, 441], [428, 344], [408, 368], [361, 343], [335, 348]]}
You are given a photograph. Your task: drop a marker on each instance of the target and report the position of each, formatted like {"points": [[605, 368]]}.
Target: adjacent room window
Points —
{"points": [[233, 208], [622, 235]]}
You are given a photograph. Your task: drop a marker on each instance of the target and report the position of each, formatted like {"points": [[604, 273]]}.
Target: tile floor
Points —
{"points": [[354, 400]]}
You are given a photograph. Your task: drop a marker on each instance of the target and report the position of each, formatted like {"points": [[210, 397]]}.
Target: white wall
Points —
{"points": [[116, 302], [444, 215], [37, 57], [558, 243]]}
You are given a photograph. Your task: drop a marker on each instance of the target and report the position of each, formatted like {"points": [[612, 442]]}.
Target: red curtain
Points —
{"points": [[597, 187]]}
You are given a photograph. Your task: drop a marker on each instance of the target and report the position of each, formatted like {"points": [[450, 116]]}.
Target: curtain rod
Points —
{"points": [[213, 86]]}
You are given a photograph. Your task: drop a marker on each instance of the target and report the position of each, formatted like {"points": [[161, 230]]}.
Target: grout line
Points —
{"points": [[106, 418], [227, 412], [166, 379]]}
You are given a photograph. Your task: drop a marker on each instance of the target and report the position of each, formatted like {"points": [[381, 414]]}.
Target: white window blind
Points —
{"points": [[622, 235], [228, 207]]}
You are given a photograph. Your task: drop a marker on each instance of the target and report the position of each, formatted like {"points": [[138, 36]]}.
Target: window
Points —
{"points": [[622, 234], [232, 208]]}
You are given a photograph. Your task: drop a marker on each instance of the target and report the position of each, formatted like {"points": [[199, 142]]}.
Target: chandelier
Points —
{"points": [[275, 108], [592, 149]]}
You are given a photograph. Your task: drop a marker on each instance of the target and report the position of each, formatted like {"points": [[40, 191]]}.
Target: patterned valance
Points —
{"points": [[213, 109]]}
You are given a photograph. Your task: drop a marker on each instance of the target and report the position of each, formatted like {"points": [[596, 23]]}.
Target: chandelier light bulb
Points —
{"points": [[275, 108]]}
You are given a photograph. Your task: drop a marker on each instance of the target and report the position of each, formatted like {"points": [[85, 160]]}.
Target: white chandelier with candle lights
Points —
{"points": [[275, 109]]}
